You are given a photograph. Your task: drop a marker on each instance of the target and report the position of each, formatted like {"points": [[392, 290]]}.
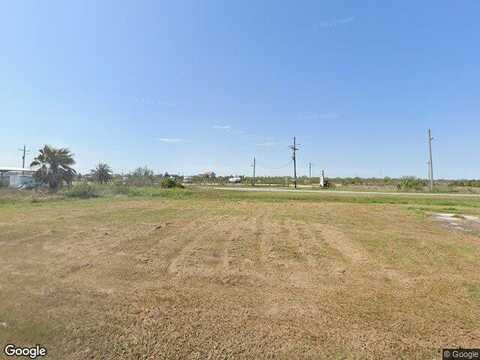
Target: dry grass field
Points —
{"points": [[214, 275]]}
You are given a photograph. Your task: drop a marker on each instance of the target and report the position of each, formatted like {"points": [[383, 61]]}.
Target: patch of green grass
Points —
{"points": [[83, 190], [342, 198], [171, 193], [474, 292], [420, 212], [29, 331], [415, 203]]}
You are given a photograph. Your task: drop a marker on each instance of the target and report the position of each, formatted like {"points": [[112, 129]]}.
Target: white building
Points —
{"points": [[187, 179], [235, 180], [15, 177]]}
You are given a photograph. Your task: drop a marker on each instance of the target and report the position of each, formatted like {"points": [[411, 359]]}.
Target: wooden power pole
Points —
{"points": [[24, 152], [430, 162], [310, 171], [294, 157], [254, 165]]}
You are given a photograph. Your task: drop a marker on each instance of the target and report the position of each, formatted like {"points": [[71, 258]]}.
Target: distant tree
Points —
{"points": [[54, 167], [102, 173], [143, 172], [141, 176], [168, 183]]}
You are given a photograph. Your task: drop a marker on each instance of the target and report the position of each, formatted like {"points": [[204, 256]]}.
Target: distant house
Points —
{"points": [[187, 179], [208, 174], [16, 177]]}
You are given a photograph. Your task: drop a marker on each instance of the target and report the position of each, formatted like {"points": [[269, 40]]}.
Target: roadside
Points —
{"points": [[347, 192]]}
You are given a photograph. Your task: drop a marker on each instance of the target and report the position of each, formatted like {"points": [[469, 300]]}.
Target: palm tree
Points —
{"points": [[55, 166], [102, 173]]}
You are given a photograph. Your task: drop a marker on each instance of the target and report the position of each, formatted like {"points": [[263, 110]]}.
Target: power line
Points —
{"points": [[274, 168]]}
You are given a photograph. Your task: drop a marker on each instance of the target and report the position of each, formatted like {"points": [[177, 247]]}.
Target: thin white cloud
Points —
{"points": [[172, 140], [267, 144], [336, 22], [222, 127]]}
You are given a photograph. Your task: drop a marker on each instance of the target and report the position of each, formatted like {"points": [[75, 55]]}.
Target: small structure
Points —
{"points": [[235, 180], [322, 179], [208, 174], [324, 183], [16, 177]]}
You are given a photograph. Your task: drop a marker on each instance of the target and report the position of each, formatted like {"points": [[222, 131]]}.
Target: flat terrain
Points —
{"points": [[308, 189], [210, 274]]}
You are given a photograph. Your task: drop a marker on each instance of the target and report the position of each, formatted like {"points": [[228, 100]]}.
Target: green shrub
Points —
{"points": [[83, 191], [169, 183], [411, 183], [120, 189]]}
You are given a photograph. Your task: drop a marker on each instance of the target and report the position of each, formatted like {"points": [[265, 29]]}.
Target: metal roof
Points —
{"points": [[15, 169]]}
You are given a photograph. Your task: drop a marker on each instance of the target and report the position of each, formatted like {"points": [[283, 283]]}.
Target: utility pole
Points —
{"points": [[294, 157], [254, 164], [310, 171], [430, 162], [24, 153]]}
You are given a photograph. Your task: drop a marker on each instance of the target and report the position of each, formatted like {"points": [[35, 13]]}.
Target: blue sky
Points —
{"points": [[187, 86]]}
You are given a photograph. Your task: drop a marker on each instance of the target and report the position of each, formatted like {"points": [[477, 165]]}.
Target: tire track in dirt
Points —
{"points": [[358, 257], [268, 234], [131, 251], [202, 255], [168, 247], [312, 246], [342, 243], [240, 240], [284, 255]]}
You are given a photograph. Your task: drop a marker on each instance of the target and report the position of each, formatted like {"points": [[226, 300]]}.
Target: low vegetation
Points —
{"points": [[169, 183], [83, 190], [142, 176], [408, 183], [86, 190]]}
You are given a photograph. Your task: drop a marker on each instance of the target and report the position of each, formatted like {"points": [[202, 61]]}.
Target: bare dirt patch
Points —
{"points": [[458, 221]]}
